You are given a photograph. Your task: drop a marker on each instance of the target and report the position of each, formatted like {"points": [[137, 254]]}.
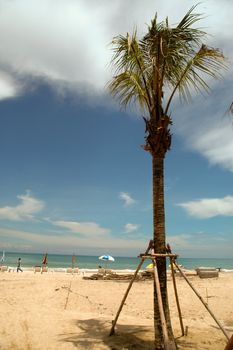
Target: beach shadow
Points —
{"points": [[94, 334], [184, 344]]}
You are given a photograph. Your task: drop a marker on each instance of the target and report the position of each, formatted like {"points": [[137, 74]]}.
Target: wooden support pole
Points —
{"points": [[229, 345], [68, 294], [203, 302], [176, 296], [161, 310], [112, 331], [157, 255]]}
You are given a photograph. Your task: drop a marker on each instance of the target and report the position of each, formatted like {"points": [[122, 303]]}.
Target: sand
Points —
{"points": [[39, 312]]}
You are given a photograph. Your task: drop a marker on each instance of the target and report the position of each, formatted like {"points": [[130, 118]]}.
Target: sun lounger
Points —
{"points": [[103, 271], [149, 270], [37, 269], [207, 272], [4, 268], [71, 270], [44, 269]]}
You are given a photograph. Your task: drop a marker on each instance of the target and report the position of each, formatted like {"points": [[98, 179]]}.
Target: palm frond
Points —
{"points": [[127, 87], [189, 19], [206, 61], [129, 64]]}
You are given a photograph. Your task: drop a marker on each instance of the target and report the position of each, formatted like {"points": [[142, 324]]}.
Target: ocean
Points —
{"points": [[121, 263]]}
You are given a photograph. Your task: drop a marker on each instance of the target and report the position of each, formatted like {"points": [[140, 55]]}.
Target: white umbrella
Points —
{"points": [[3, 257], [106, 258]]}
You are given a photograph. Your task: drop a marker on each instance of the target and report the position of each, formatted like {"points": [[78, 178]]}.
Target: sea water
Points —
{"points": [[92, 262]]}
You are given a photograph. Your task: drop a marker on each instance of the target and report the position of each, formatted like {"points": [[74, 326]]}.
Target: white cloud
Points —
{"points": [[23, 211], [127, 199], [69, 41], [179, 242], [186, 245], [216, 144], [209, 207], [84, 228], [67, 243], [201, 245], [130, 228], [207, 127], [70, 48], [8, 86]]}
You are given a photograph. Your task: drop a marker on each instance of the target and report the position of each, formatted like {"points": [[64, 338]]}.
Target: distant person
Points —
{"points": [[19, 265]]}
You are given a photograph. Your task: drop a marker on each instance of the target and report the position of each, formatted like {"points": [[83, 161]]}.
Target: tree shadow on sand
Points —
{"points": [[94, 334]]}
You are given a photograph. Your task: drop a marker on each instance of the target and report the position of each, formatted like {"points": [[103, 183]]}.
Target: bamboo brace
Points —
{"points": [[203, 302]]}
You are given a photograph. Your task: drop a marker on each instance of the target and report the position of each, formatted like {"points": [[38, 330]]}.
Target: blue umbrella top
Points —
{"points": [[106, 258]]}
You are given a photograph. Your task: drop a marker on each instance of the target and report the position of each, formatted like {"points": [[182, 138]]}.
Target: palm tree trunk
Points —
{"points": [[160, 247]]}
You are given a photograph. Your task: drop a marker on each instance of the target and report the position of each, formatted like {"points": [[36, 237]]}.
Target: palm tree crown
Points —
{"points": [[168, 58]]}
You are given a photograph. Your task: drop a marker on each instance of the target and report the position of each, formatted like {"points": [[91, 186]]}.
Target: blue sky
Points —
{"points": [[73, 174]]}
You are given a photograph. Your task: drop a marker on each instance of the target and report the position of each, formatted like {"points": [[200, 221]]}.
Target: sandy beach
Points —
{"points": [[59, 310]]}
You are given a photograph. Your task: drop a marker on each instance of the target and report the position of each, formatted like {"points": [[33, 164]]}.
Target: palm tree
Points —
{"points": [[149, 72]]}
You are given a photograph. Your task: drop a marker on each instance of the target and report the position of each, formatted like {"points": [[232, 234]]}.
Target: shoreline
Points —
{"points": [[10, 269]]}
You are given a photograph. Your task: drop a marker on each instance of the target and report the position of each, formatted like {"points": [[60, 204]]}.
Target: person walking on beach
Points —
{"points": [[19, 265]]}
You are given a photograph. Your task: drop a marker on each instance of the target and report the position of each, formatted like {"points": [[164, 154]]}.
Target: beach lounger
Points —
{"points": [[37, 269], [207, 272], [103, 271], [70, 270], [44, 269], [4, 268]]}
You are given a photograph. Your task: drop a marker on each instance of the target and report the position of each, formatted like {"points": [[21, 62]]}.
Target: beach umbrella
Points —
{"points": [[150, 266], [45, 259], [73, 261], [106, 258], [3, 256], [173, 265]]}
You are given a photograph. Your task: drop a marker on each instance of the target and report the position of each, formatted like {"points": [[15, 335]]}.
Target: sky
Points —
{"points": [[73, 174]]}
